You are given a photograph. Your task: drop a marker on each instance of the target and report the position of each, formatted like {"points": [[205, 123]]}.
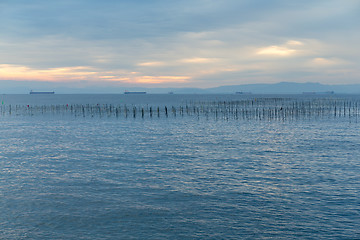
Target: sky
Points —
{"points": [[184, 43]]}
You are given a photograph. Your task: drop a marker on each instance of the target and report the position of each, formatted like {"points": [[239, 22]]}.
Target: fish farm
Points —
{"points": [[247, 109]]}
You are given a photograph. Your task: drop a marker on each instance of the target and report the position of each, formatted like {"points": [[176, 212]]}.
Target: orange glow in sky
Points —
{"points": [[20, 73]]}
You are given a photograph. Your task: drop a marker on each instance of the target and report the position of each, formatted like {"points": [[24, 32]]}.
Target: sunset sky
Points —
{"points": [[187, 43]]}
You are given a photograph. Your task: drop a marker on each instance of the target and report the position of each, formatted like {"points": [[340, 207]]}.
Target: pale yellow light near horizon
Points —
{"points": [[21, 73], [276, 51], [162, 79], [287, 49], [18, 72], [325, 62], [198, 60], [151, 64]]}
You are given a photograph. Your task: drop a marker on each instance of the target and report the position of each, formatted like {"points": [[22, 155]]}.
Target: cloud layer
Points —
{"points": [[201, 43]]}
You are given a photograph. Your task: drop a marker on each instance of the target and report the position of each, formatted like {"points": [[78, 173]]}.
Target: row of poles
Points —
{"points": [[257, 109]]}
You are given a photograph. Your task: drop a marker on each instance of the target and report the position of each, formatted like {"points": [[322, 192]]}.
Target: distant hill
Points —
{"points": [[275, 88], [287, 87], [24, 87]]}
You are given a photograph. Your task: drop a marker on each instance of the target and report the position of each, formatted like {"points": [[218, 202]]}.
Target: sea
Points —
{"points": [[172, 166]]}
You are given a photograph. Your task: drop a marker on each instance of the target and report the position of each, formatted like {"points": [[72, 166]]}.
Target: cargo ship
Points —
{"points": [[33, 92]]}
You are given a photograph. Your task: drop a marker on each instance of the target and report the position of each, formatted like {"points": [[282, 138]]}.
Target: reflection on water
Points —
{"points": [[178, 178]]}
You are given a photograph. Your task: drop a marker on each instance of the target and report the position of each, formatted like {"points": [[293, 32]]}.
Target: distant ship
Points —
{"points": [[127, 92], [33, 92]]}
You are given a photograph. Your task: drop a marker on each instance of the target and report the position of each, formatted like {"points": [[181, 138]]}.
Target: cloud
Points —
{"points": [[326, 62], [67, 74], [290, 48], [189, 43], [294, 43], [161, 79], [18, 72], [199, 60], [151, 64], [276, 51]]}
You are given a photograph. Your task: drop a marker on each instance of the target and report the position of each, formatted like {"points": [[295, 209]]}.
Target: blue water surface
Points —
{"points": [[178, 178]]}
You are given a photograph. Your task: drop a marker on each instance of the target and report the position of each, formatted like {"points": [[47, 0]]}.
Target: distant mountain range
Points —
{"points": [[288, 87], [24, 87]]}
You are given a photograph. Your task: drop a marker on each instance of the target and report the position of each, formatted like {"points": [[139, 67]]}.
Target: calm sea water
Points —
{"points": [[66, 177]]}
